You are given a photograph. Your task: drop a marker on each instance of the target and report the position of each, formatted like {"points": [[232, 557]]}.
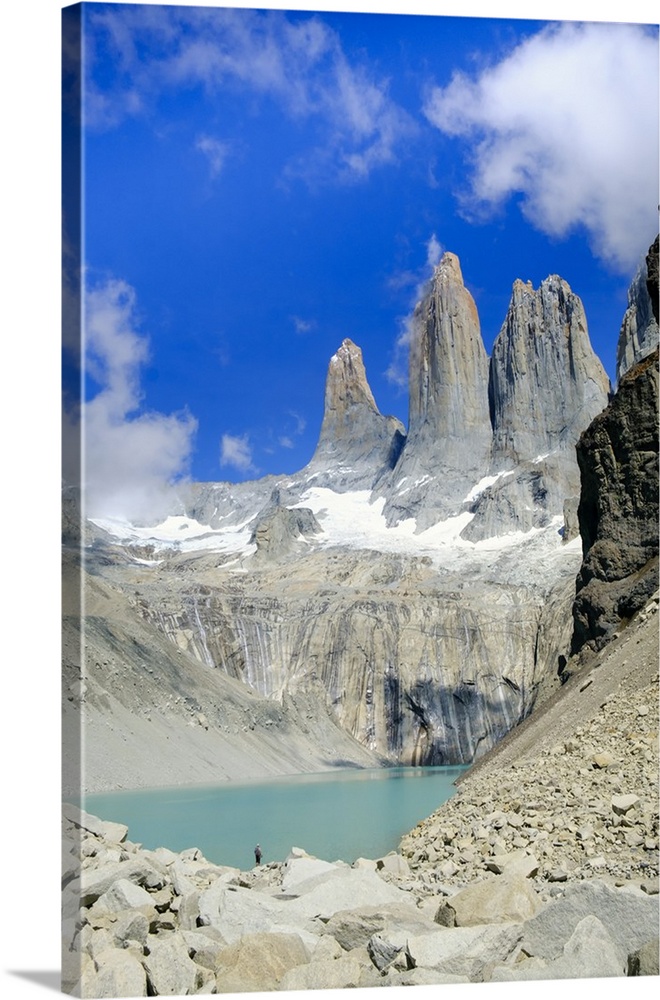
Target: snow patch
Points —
{"points": [[483, 484], [180, 533]]}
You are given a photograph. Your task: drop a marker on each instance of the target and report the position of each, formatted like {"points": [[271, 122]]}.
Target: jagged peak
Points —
{"points": [[346, 382], [449, 266]]}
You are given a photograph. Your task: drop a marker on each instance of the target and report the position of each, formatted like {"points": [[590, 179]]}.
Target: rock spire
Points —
{"points": [[448, 369], [449, 429], [546, 384], [356, 441]]}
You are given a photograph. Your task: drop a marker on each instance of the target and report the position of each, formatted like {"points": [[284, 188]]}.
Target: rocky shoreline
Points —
{"points": [[543, 866]]}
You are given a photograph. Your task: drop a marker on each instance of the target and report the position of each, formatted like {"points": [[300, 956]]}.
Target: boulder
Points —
{"points": [[626, 915], [342, 889], [338, 974], [170, 970], [462, 951], [118, 974], [114, 833], [353, 928], [644, 961], [298, 871], [495, 901], [258, 962], [94, 882], [131, 926], [589, 953], [394, 863], [123, 895]]}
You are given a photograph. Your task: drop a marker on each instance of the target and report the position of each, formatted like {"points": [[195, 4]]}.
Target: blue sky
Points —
{"points": [[259, 185]]}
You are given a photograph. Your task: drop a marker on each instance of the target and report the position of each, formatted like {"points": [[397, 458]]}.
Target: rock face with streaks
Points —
{"points": [[413, 669], [618, 511]]}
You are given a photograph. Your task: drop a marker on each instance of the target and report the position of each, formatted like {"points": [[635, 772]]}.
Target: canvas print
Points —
{"points": [[360, 500]]}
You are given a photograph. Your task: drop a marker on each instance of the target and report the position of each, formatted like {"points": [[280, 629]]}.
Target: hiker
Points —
{"points": [[257, 854]]}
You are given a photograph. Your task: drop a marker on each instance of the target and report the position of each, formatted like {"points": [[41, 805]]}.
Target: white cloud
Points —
{"points": [[285, 442], [303, 325], [569, 119], [215, 151], [397, 373], [236, 451], [301, 423], [299, 63], [130, 459]]}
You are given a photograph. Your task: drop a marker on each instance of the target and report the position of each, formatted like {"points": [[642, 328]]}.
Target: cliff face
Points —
{"points": [[419, 668], [618, 511]]}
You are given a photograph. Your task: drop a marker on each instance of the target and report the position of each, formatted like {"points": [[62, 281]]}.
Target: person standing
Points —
{"points": [[257, 854]]}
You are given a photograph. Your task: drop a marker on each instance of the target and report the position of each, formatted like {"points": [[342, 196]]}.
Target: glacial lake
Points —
{"points": [[335, 815]]}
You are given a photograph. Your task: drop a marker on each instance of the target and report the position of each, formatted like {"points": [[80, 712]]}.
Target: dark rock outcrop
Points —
{"points": [[652, 276], [618, 511]]}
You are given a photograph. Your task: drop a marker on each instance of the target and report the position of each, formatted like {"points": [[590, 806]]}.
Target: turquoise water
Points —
{"points": [[336, 815]]}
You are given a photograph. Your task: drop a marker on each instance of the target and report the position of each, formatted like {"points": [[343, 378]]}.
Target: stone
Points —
{"points": [[381, 952], [298, 871], [119, 974], [170, 970], [236, 913], [341, 889], [625, 915], [131, 926], [463, 950], [622, 804], [366, 863], [354, 927], [115, 833], [644, 961], [338, 974], [393, 863], [603, 759], [589, 953], [258, 962], [123, 895], [491, 902], [95, 882]]}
